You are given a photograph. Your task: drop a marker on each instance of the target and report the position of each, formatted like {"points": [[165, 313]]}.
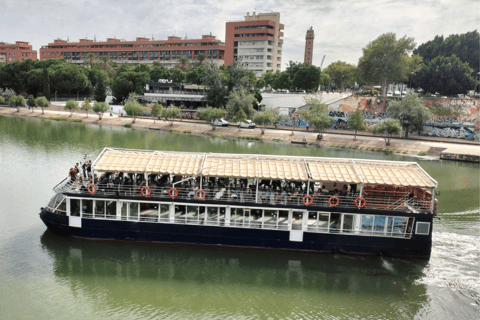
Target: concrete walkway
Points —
{"points": [[432, 149]]}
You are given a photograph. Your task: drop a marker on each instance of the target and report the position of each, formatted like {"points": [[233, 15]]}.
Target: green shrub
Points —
{"points": [[277, 140], [174, 131], [250, 138], [187, 131], [422, 153], [404, 152], [62, 119], [128, 125]]}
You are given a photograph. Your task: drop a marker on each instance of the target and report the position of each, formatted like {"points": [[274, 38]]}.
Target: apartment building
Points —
{"points": [[18, 51], [256, 42], [142, 50]]}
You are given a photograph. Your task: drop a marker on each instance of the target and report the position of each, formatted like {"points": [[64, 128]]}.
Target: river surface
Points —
{"points": [[44, 276]]}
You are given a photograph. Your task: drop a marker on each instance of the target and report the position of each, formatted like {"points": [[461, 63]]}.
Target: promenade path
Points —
{"points": [[412, 146]]}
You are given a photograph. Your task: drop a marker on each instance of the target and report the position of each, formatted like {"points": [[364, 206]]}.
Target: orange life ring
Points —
{"points": [[198, 196], [92, 189], [146, 194], [170, 193], [333, 198], [309, 201], [360, 199]]}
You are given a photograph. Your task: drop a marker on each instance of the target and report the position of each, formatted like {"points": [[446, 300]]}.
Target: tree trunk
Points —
{"points": [[43, 111], [18, 108], [134, 118], [87, 113], [384, 87], [355, 136], [99, 116], [406, 132]]}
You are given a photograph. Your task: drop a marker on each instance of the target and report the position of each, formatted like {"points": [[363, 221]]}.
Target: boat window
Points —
{"points": [[367, 223], [255, 218], [379, 225], [283, 219], [221, 217], [193, 214], [62, 208], [212, 215], [312, 221], [335, 221], [87, 208], [99, 209], [297, 220], [111, 209], [348, 222], [148, 211], [389, 225], [399, 225], [164, 212], [134, 207], [75, 207], [270, 218], [323, 222], [180, 213], [237, 216], [423, 228], [123, 210], [56, 200]]}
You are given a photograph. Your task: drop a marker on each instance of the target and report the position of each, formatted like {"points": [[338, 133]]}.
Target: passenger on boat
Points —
{"points": [[192, 193], [73, 174], [294, 195], [238, 193], [220, 193]]}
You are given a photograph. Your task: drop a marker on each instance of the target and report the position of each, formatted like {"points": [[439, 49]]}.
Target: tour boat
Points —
{"points": [[316, 204]]}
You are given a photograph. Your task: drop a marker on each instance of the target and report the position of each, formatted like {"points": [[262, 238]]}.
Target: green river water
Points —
{"points": [[44, 276]]}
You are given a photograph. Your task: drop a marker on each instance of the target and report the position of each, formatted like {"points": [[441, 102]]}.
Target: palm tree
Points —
{"points": [[184, 62], [91, 58]]}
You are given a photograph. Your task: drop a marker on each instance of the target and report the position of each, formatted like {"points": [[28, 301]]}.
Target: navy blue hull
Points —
{"points": [[418, 246]]}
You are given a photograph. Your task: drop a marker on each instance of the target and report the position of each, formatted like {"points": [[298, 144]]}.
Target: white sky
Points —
{"points": [[342, 27]]}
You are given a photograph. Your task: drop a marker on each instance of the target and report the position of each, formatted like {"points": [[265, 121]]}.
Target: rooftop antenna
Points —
{"points": [[152, 36], [185, 36], [94, 38]]}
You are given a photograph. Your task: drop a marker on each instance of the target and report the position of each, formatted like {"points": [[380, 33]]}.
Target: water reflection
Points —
{"points": [[222, 269]]}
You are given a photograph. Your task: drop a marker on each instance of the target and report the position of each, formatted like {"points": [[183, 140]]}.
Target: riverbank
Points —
{"points": [[427, 149]]}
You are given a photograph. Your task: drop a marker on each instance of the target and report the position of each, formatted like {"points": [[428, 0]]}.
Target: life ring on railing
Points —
{"points": [[197, 194], [309, 201], [146, 194], [359, 200], [173, 192], [333, 198], [92, 189]]}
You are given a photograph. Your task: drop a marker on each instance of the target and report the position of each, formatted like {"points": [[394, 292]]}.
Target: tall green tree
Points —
{"points": [[446, 75], [240, 98], [307, 78], [240, 116], [100, 108], [171, 113], [410, 112], [128, 81], [387, 129], [87, 106], [316, 115], [31, 102], [43, 103], [263, 118], [158, 73], [342, 74], [357, 122], [211, 114], [156, 111], [71, 106], [386, 60], [283, 82], [178, 76], [100, 94], [133, 108], [16, 102]]}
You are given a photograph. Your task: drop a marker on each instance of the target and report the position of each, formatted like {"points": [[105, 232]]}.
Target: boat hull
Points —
{"points": [[418, 246]]}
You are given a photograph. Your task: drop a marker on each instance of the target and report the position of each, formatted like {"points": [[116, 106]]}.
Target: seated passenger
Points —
{"points": [[236, 195], [220, 193], [192, 193], [294, 195]]}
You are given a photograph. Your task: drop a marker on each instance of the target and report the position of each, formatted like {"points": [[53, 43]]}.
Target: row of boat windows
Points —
{"points": [[325, 222]]}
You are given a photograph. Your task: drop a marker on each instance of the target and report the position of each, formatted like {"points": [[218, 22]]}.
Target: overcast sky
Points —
{"points": [[342, 27]]}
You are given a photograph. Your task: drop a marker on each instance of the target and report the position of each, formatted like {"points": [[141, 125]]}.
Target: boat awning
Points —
{"points": [[369, 172]]}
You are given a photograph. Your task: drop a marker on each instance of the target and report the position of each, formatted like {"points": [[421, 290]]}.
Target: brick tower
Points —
{"points": [[309, 46]]}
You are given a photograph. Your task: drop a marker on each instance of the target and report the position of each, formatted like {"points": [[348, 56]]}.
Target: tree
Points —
{"points": [[342, 74], [357, 122], [465, 46], [100, 108], [240, 98], [70, 77], [215, 90], [178, 76], [386, 60], [387, 129], [158, 72], [411, 113], [446, 75], [133, 108], [307, 78], [128, 81], [99, 94], [196, 75], [325, 80], [183, 63], [43, 103], [71, 106], [283, 81], [258, 98], [277, 117], [2, 100], [240, 116], [210, 114], [16, 101], [31, 102], [156, 111], [316, 115], [264, 118], [171, 113], [87, 106], [91, 60]]}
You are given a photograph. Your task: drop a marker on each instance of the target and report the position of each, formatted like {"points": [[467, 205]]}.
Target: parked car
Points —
{"points": [[220, 123], [248, 124], [389, 94]]}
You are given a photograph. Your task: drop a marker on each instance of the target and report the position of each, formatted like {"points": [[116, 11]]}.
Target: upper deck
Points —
{"points": [[252, 179]]}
